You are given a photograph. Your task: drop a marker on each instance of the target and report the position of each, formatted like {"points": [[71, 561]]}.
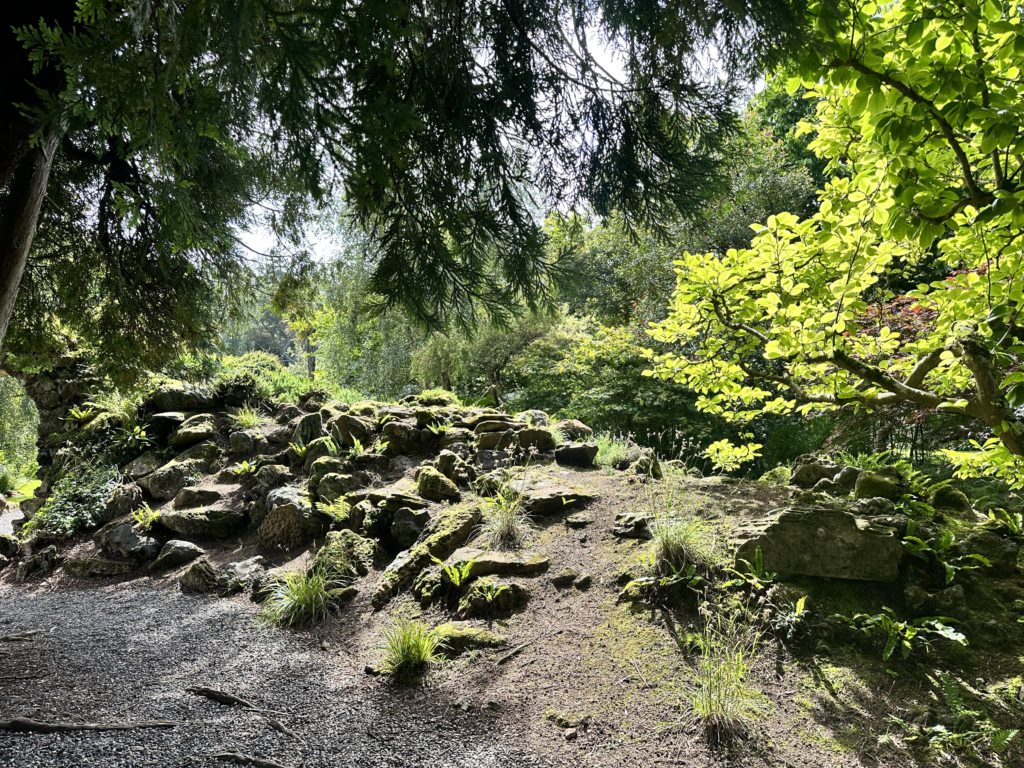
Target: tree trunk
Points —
{"points": [[18, 221]]}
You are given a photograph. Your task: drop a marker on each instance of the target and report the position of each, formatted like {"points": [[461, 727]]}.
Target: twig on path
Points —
{"points": [[223, 697], [513, 653], [240, 759], [277, 725], [27, 724]]}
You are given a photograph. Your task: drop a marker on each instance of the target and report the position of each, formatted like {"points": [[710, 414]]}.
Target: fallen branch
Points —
{"points": [[27, 724], [20, 636], [277, 725], [240, 759], [513, 653], [221, 697]]}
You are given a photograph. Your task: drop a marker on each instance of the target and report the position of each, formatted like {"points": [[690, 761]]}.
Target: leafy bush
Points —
{"points": [[410, 647], [77, 500], [269, 376], [18, 422]]}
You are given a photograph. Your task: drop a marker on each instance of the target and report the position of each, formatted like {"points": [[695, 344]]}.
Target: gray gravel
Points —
{"points": [[127, 653]]}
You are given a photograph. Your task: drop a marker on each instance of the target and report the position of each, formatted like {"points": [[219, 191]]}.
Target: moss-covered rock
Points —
{"points": [[346, 553], [877, 485], [489, 598], [325, 465], [202, 578], [949, 498], [482, 562], [194, 430], [446, 533], [165, 482], [204, 523], [290, 520], [432, 485], [455, 638]]}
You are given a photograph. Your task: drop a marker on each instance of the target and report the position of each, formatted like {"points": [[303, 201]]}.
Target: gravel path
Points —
{"points": [[128, 653]]}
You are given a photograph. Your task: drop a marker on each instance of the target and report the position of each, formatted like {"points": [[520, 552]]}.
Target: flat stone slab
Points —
{"points": [[490, 563], [208, 523]]}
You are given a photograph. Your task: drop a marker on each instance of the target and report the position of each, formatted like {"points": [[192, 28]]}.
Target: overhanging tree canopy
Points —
{"points": [[164, 123]]}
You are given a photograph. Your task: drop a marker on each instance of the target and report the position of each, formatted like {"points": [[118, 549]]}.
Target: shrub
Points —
{"points": [[77, 500], [270, 378], [410, 647], [303, 598], [113, 408]]}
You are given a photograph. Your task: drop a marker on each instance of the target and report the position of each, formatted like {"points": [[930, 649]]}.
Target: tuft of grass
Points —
{"points": [[303, 598], [245, 417], [505, 524], [145, 517], [679, 542], [610, 449], [410, 647], [722, 702]]}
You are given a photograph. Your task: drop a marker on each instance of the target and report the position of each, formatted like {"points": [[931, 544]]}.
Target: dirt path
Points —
{"points": [[128, 652]]}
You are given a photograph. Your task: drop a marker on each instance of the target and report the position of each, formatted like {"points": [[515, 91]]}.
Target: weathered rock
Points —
{"points": [[877, 485], [390, 497], [202, 578], [9, 546], [491, 441], [1001, 552], [346, 554], [576, 454], [495, 423], [165, 482], [402, 437], [97, 566], [347, 428], [583, 582], [632, 525], [544, 494], [456, 437], [159, 426], [246, 442], [196, 496], [951, 499], [4, 561], [407, 525], [325, 465], [452, 466], [309, 428], [333, 486], [578, 520], [148, 462], [489, 563], [447, 532], [124, 500], [371, 462], [122, 541], [204, 523], [271, 476], [35, 565], [847, 477], [290, 520], [194, 429], [487, 599], [828, 543], [830, 487], [534, 418], [808, 470], [574, 430], [455, 638], [536, 438], [565, 578], [177, 552], [239, 575], [432, 485]]}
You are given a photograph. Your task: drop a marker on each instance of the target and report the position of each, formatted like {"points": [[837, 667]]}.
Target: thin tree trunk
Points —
{"points": [[18, 222]]}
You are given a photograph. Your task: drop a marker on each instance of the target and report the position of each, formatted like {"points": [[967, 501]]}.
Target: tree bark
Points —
{"points": [[18, 221]]}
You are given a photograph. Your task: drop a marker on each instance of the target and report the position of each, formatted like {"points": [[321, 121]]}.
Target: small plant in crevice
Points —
{"points": [[902, 636], [299, 449], [134, 439], [505, 524], [1006, 523], [302, 598], [722, 701], [145, 517], [751, 576], [244, 469], [245, 417], [410, 648], [940, 553]]}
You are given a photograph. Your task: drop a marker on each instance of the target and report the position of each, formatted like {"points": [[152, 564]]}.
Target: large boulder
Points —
{"points": [[576, 454], [879, 485], [164, 483], [432, 485], [539, 439], [290, 520], [824, 542], [205, 523], [193, 430], [123, 500], [1001, 552], [177, 552], [325, 465], [243, 573], [246, 442], [122, 541], [951, 499], [335, 485]]}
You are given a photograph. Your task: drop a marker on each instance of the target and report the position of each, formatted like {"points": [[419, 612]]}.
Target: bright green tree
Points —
{"points": [[920, 106]]}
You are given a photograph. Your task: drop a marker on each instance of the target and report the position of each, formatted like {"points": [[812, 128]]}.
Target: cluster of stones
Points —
{"points": [[378, 484]]}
